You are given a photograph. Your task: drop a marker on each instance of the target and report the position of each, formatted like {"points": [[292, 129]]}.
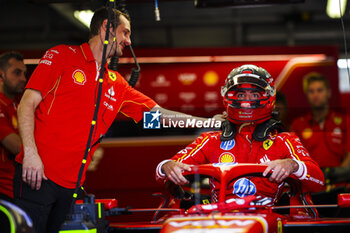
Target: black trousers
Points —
{"points": [[47, 206]]}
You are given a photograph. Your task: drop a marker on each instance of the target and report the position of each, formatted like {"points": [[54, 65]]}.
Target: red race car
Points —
{"points": [[251, 214]]}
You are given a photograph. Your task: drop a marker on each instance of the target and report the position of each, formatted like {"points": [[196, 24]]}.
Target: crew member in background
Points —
{"points": [[12, 83], [323, 131], [249, 135], [55, 116]]}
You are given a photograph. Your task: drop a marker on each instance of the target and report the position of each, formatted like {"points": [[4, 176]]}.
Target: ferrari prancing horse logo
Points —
{"points": [[267, 144], [112, 76]]}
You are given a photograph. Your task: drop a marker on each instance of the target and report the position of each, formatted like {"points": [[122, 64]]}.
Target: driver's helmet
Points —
{"points": [[242, 108]]}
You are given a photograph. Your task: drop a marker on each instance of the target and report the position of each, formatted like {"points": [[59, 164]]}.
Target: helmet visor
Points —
{"points": [[246, 96], [247, 78]]}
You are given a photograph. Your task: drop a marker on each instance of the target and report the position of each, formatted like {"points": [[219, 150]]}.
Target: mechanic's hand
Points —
{"points": [[173, 170], [220, 117], [281, 169], [33, 169]]}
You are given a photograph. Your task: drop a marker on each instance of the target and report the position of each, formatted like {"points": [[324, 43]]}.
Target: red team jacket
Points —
{"points": [[8, 125], [327, 145], [208, 148], [67, 78]]}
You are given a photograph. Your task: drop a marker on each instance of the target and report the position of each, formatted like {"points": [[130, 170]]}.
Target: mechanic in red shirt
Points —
{"points": [[55, 116], [324, 132], [12, 83], [249, 136]]}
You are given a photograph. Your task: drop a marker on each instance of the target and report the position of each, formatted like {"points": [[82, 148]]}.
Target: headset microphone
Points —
{"points": [[134, 77], [113, 63]]}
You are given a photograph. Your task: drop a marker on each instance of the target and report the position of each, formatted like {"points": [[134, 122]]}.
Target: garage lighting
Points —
{"points": [[84, 17], [342, 63], [333, 8]]}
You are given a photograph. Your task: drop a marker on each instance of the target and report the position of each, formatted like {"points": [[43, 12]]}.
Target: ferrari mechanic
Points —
{"points": [[56, 112], [249, 135], [12, 83], [323, 131]]}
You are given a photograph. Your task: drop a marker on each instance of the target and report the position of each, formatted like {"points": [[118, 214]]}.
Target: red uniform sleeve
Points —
{"points": [[48, 71], [5, 127], [135, 103], [309, 172], [195, 153]]}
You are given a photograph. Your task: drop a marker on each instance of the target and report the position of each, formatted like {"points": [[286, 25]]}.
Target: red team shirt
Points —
{"points": [[67, 78], [208, 148], [8, 125], [327, 145]]}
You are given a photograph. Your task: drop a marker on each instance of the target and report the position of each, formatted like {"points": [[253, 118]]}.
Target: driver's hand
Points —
{"points": [[173, 170], [281, 169]]}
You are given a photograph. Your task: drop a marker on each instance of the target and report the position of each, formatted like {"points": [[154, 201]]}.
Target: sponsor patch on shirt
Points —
{"points": [[79, 77], [227, 157], [337, 120], [111, 91], [46, 62], [337, 131], [307, 133], [227, 145]]}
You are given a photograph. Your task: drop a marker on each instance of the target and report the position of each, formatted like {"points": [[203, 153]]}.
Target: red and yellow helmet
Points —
{"points": [[249, 78]]}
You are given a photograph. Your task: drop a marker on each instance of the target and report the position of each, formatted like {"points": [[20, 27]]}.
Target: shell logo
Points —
{"points": [[226, 158], [307, 133], [79, 77]]}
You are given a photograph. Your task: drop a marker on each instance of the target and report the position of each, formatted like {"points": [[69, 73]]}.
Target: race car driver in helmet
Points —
{"points": [[248, 135]]}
